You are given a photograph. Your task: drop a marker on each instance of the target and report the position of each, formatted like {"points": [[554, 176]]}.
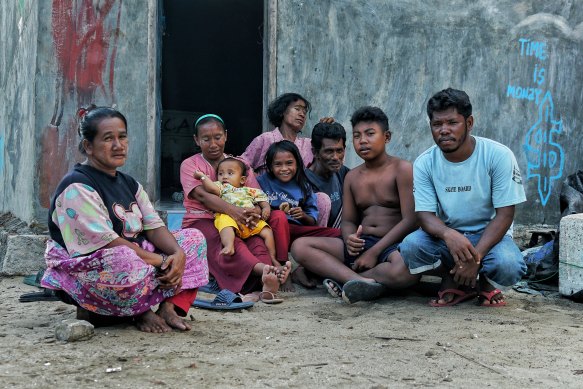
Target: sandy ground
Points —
{"points": [[311, 340]]}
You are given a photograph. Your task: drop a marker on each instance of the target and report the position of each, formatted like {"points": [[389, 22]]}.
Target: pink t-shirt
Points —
{"points": [[256, 151], [194, 208]]}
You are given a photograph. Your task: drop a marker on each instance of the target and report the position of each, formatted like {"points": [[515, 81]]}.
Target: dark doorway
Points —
{"points": [[212, 62]]}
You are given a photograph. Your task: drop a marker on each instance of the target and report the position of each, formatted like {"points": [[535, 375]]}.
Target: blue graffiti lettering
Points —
{"points": [[533, 48], [545, 156], [523, 93]]}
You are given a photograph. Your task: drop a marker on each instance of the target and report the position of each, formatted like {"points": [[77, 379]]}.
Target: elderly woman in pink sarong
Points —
{"points": [[288, 113], [110, 253]]}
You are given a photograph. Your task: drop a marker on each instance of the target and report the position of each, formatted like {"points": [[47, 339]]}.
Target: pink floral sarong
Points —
{"points": [[115, 281]]}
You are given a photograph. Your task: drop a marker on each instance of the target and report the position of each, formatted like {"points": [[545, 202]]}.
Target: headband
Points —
{"points": [[206, 116]]}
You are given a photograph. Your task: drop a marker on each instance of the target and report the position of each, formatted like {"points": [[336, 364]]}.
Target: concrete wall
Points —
{"points": [[61, 55], [520, 62], [18, 32]]}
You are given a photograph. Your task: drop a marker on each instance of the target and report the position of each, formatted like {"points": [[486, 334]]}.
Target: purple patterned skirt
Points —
{"points": [[115, 281]]}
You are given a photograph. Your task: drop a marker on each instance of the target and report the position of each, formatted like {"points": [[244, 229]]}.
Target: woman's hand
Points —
{"points": [[172, 270], [248, 217], [327, 119]]}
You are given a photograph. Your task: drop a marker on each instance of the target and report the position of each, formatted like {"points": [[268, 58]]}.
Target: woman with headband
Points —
{"points": [[250, 268]]}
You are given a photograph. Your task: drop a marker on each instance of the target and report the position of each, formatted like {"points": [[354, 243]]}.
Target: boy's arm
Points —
{"points": [[207, 184], [350, 219]]}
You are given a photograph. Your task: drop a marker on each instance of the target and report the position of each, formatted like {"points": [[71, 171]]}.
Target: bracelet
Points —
{"points": [[164, 259], [203, 178]]}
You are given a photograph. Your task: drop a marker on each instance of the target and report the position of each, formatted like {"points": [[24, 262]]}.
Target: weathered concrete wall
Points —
{"points": [[520, 62], [57, 56], [18, 34]]}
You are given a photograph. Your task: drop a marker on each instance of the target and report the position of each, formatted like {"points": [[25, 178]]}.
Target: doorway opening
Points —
{"points": [[212, 62]]}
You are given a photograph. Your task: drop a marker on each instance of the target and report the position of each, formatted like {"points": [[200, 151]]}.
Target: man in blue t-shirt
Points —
{"points": [[466, 188]]}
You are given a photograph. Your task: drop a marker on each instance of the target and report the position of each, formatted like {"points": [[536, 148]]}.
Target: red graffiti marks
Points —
{"points": [[85, 34]]}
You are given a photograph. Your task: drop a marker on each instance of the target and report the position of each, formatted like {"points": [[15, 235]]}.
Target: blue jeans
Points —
{"points": [[502, 266]]}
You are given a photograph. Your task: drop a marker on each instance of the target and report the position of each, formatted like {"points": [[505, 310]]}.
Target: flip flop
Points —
{"points": [[488, 296], [356, 290], [268, 297], [34, 279], [330, 285], [225, 300], [460, 296], [212, 287], [45, 295]]}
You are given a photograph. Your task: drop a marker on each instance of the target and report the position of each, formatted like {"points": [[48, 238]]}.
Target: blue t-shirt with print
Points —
{"points": [[465, 194], [289, 192]]}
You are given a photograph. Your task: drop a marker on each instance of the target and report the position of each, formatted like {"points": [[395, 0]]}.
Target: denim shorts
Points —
{"points": [[369, 241], [503, 266]]}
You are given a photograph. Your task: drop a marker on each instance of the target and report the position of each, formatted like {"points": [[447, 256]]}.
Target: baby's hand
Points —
{"points": [[265, 213], [198, 174]]}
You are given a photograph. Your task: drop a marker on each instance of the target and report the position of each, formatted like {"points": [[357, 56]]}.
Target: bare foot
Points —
{"points": [[167, 312], [446, 283], [490, 295], [496, 299], [269, 279], [287, 286], [283, 272], [301, 276], [253, 297], [150, 322], [228, 250]]}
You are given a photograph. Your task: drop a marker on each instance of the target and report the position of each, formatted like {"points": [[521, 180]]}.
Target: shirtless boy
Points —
{"points": [[378, 213]]}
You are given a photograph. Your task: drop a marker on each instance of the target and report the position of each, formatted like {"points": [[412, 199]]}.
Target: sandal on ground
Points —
{"points": [[333, 287], [268, 297], [357, 290], [459, 296], [489, 296], [225, 300]]}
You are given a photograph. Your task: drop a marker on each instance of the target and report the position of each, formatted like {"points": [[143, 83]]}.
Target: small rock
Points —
{"points": [[72, 330], [430, 353], [474, 336]]}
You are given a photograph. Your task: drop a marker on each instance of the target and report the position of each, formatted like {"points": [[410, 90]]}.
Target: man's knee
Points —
{"points": [[504, 264], [409, 246]]}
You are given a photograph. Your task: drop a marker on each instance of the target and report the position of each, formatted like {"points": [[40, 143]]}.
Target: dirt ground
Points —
{"points": [[310, 340]]}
